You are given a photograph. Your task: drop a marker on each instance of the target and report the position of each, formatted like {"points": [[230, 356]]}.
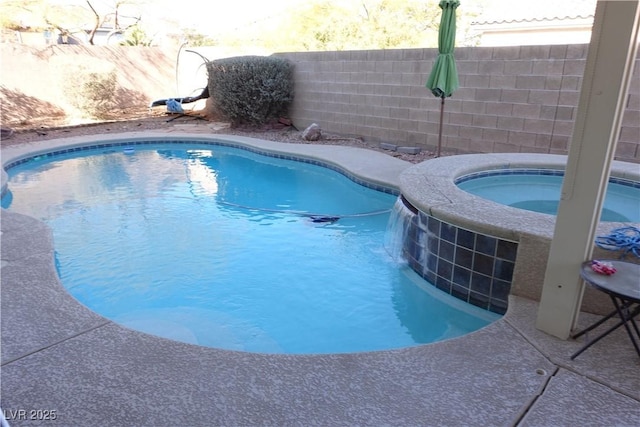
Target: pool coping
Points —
{"points": [[58, 355]]}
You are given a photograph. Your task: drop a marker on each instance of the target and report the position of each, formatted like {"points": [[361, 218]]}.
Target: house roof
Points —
{"points": [[526, 12]]}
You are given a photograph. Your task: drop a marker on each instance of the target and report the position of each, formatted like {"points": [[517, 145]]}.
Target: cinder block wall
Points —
{"points": [[511, 99]]}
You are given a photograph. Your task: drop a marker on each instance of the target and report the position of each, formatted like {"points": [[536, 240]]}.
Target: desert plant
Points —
{"points": [[94, 93], [251, 89], [136, 36]]}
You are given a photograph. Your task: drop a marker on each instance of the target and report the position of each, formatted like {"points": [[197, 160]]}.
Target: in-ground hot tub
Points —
{"points": [[477, 249], [539, 190]]}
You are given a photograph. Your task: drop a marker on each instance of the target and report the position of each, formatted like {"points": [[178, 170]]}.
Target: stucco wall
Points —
{"points": [[511, 99]]}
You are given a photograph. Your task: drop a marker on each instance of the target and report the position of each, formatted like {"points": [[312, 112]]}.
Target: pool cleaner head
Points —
{"points": [[324, 219]]}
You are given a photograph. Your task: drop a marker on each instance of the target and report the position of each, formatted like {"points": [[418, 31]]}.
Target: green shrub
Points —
{"points": [[251, 89]]}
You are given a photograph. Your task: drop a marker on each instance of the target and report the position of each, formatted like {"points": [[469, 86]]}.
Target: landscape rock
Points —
{"points": [[409, 150], [312, 133], [388, 146]]}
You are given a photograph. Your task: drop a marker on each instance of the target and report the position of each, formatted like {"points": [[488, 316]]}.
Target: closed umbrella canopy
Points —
{"points": [[443, 80]]}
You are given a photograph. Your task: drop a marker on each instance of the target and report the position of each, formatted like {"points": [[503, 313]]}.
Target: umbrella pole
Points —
{"points": [[440, 130]]}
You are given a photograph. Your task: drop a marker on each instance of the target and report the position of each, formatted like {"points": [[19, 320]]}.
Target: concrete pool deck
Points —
{"points": [[59, 356]]}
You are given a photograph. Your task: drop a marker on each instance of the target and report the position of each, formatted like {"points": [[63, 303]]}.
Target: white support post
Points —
{"points": [[608, 70]]}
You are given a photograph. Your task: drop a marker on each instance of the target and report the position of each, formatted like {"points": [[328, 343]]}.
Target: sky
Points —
{"points": [[206, 16], [497, 10], [213, 17]]}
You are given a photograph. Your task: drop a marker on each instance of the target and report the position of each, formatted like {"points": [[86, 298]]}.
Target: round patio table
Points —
{"points": [[623, 287]]}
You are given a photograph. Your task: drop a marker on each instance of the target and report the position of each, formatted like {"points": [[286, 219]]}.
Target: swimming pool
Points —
{"points": [[538, 190], [222, 247]]}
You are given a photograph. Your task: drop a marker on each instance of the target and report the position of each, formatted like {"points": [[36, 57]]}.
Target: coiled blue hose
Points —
{"points": [[626, 239]]}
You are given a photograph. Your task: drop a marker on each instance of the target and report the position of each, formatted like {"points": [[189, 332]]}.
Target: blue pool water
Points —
{"points": [[225, 248], [541, 193]]}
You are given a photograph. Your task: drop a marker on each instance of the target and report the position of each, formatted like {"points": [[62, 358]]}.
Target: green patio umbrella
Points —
{"points": [[443, 80]]}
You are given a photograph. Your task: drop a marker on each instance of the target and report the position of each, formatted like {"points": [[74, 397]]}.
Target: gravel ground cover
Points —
{"points": [[161, 121]]}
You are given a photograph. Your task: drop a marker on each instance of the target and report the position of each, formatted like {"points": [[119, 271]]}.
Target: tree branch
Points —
{"points": [[97, 24]]}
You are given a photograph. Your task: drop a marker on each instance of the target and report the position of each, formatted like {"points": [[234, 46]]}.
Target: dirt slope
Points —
{"points": [[35, 81]]}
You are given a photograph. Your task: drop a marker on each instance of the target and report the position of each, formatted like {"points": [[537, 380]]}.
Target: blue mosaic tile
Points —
{"points": [[464, 258], [503, 269], [443, 284], [462, 276], [431, 277], [500, 290], [414, 264], [432, 263], [483, 264], [466, 238], [433, 244], [445, 269], [534, 171], [479, 300], [627, 182], [350, 176], [481, 283], [433, 225], [498, 307], [446, 250], [412, 249], [486, 244], [507, 250], [448, 232], [460, 292]]}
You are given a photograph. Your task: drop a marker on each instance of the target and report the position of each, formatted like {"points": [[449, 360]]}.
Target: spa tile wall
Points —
{"points": [[473, 267]]}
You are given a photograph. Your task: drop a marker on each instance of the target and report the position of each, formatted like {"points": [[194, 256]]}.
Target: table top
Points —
{"points": [[624, 283]]}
